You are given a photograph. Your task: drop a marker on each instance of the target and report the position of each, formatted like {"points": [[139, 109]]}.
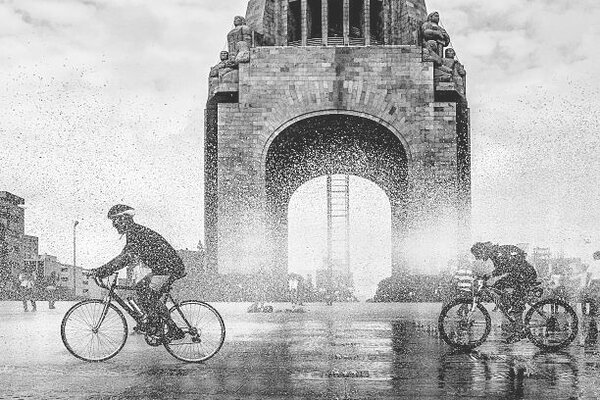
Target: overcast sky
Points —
{"points": [[102, 102]]}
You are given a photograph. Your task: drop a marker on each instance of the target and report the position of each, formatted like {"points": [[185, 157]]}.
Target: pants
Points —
{"points": [[27, 295], [591, 295], [149, 291], [51, 291]]}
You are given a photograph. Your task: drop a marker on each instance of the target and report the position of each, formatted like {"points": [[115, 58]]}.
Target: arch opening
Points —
{"points": [[334, 144], [369, 241]]}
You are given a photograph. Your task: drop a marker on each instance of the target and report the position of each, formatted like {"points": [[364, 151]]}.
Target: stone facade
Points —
{"points": [[266, 135]]}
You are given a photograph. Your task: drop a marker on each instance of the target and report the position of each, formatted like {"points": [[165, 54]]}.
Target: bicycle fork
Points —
{"points": [[106, 303]]}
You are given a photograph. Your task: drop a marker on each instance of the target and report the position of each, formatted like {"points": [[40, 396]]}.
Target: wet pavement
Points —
{"points": [[345, 351]]}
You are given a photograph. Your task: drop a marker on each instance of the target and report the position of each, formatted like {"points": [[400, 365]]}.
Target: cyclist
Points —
{"points": [[146, 246], [515, 277]]}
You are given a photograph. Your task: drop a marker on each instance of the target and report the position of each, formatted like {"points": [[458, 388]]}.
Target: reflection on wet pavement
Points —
{"points": [[351, 351]]}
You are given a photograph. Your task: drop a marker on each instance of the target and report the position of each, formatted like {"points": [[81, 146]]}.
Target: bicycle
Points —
{"points": [[96, 330], [465, 323]]}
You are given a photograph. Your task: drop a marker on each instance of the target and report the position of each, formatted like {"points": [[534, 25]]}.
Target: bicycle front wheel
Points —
{"points": [[86, 340], [551, 324], [204, 331], [464, 325]]}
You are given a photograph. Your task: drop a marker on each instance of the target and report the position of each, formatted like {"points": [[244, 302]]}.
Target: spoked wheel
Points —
{"points": [[463, 325], [204, 331], [86, 340], [551, 324]]}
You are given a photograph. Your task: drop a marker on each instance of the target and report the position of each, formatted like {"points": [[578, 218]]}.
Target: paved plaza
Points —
{"points": [[345, 351]]}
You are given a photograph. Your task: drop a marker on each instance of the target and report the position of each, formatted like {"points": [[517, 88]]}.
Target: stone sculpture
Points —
{"points": [[239, 41], [222, 67], [434, 37], [451, 70], [240, 33]]}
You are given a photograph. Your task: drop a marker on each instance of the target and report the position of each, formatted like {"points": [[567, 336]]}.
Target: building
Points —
{"points": [[30, 247], [319, 87], [540, 259], [71, 278], [12, 230], [194, 261]]}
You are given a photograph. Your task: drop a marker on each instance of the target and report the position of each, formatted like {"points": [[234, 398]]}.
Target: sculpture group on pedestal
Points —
{"points": [[451, 70], [239, 41], [446, 67]]}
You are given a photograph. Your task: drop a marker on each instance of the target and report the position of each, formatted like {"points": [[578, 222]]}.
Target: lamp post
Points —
{"points": [[75, 223]]}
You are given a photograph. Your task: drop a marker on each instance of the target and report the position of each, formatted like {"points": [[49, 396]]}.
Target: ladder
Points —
{"points": [[338, 223]]}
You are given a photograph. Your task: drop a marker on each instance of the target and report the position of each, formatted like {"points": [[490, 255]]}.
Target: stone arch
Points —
{"points": [[324, 143], [401, 135]]}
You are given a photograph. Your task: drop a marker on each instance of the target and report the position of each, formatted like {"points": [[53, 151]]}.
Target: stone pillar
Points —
{"points": [[303, 17], [367, 22], [386, 24], [324, 21], [284, 22], [346, 22]]}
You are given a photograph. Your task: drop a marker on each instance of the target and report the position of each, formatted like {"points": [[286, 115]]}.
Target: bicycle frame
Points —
{"points": [[112, 295], [484, 292]]}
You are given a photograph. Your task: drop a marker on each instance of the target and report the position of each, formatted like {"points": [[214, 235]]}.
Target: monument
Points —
{"points": [[359, 87]]}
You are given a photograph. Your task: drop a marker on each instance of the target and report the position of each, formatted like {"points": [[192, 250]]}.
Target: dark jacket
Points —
{"points": [[509, 259], [149, 247]]}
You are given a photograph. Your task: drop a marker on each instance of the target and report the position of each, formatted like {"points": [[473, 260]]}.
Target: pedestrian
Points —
{"points": [[51, 282], [27, 283], [463, 279], [590, 301], [293, 289]]}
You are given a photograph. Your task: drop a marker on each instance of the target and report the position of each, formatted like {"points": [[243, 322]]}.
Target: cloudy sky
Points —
{"points": [[102, 102]]}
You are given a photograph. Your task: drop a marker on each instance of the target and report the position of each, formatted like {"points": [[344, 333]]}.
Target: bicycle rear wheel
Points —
{"points": [[204, 331], [82, 339], [463, 325], [551, 324]]}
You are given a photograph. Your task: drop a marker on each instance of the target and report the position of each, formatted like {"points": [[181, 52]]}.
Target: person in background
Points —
{"points": [[27, 283], [463, 279], [51, 282], [590, 300]]}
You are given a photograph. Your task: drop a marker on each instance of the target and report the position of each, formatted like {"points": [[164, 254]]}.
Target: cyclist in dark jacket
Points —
{"points": [[146, 246], [515, 277]]}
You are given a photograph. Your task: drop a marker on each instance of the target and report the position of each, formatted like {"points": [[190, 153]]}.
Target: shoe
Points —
{"points": [[141, 329], [515, 337], [175, 334]]}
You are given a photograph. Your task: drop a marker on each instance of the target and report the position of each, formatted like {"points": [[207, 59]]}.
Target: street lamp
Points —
{"points": [[75, 223]]}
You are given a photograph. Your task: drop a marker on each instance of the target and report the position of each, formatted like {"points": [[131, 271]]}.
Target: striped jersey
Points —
{"points": [[464, 279]]}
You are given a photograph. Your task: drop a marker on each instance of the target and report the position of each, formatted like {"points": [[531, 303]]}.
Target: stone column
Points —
{"points": [[303, 18], [324, 21], [284, 24], [346, 22], [367, 22], [386, 16]]}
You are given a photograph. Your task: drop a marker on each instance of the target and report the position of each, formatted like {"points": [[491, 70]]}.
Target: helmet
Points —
{"points": [[120, 209]]}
